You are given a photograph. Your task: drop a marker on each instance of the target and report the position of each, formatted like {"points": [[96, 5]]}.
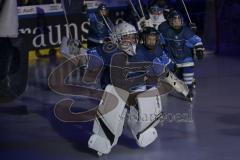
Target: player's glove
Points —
{"points": [[199, 51]]}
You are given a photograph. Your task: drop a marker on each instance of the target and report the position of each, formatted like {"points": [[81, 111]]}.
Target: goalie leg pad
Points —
{"points": [[143, 120], [177, 84], [147, 137], [109, 125]]}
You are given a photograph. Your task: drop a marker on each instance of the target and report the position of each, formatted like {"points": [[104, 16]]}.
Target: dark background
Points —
{"points": [[217, 20]]}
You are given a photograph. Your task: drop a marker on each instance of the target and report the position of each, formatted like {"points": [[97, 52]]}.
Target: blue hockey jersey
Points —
{"points": [[179, 45], [98, 29]]}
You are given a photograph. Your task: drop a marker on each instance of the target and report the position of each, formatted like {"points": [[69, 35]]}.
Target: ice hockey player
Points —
{"points": [[156, 15], [100, 26], [122, 76], [153, 52], [180, 41]]}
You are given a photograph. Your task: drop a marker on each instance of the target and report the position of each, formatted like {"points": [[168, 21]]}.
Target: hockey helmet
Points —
{"points": [[127, 36], [150, 37], [175, 20]]}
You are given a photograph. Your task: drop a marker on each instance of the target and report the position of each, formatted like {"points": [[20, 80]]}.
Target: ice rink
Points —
{"points": [[209, 130]]}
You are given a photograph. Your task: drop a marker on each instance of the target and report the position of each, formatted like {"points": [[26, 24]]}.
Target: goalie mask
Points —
{"points": [[175, 20], [150, 37], [155, 12], [127, 37]]}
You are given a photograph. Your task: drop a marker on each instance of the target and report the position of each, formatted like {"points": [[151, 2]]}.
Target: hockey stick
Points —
{"points": [[160, 116], [185, 7], [105, 21], [66, 18], [113, 36], [141, 8], [134, 9]]}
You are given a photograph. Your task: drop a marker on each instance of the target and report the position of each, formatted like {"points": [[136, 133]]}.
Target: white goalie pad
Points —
{"points": [[108, 125], [143, 119], [71, 49], [177, 84]]}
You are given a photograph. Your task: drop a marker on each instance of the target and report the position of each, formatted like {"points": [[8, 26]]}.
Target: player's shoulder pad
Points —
{"points": [[191, 42], [188, 33], [165, 59]]}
